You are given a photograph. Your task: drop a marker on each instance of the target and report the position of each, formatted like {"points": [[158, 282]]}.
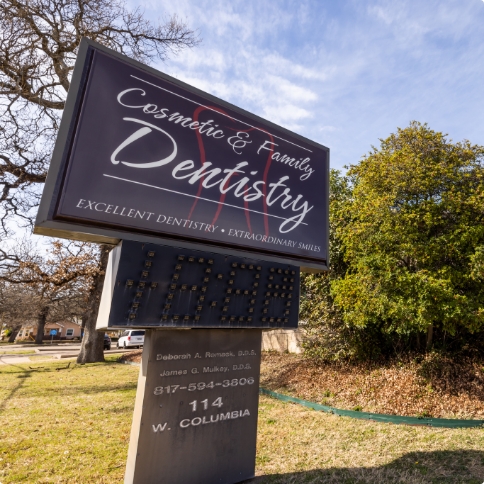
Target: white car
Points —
{"points": [[131, 338]]}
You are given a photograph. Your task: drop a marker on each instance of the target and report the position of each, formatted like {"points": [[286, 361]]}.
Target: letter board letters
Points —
{"points": [[150, 285]]}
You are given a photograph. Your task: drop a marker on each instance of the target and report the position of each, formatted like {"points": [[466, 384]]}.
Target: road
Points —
{"points": [[15, 354]]}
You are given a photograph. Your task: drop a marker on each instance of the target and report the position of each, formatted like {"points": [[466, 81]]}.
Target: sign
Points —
{"points": [[150, 285], [53, 332], [195, 417], [143, 156]]}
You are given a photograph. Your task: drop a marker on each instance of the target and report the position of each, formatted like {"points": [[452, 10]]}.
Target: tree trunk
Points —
{"points": [[430, 337], [13, 335], [92, 345], [83, 323], [41, 320]]}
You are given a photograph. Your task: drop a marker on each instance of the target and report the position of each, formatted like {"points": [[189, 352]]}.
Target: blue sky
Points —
{"points": [[343, 73]]}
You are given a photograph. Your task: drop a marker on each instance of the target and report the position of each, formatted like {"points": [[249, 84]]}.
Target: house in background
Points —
{"points": [[66, 330]]}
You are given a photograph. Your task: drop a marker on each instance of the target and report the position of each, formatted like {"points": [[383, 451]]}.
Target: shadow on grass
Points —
{"points": [[75, 390], [23, 375], [50, 365], [460, 466], [88, 389], [53, 390]]}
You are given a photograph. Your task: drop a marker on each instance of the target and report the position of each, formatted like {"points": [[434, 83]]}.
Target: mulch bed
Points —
{"points": [[132, 356], [435, 386], [431, 386]]}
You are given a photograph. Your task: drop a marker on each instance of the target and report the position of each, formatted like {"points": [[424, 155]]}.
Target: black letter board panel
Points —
{"points": [[162, 286]]}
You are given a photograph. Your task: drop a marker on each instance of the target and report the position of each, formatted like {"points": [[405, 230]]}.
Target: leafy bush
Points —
{"points": [[406, 252]]}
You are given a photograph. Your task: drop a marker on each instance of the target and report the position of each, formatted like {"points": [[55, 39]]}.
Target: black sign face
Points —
{"points": [[163, 286], [147, 154], [199, 410]]}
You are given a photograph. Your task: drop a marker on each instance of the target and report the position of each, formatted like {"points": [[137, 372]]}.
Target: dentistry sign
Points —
{"points": [[144, 156]]}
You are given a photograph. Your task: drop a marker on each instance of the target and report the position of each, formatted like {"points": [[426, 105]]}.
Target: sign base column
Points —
{"points": [[195, 416]]}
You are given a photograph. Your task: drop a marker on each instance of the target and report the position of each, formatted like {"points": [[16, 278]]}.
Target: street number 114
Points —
{"points": [[216, 403]]}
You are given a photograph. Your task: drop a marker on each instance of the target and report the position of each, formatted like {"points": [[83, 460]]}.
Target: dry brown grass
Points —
{"points": [[132, 356], [435, 386]]}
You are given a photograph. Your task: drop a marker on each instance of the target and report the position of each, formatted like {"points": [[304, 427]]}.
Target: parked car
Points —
{"points": [[107, 342], [131, 338]]}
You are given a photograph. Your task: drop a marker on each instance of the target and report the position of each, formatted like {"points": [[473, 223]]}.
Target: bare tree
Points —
{"points": [[39, 40], [13, 303], [55, 284], [38, 47], [20, 303]]}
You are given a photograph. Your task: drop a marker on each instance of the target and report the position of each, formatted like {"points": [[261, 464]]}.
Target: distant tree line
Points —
{"points": [[52, 284], [406, 250]]}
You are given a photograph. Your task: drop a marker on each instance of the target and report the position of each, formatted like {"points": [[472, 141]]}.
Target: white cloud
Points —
{"points": [[342, 73], [329, 129]]}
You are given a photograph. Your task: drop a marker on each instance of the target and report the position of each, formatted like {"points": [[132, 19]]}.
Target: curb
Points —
{"points": [[378, 417]]}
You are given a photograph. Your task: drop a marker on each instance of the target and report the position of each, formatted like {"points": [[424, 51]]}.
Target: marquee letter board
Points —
{"points": [[150, 285]]}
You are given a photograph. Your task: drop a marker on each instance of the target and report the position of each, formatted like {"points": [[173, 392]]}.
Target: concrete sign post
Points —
{"points": [[195, 417]]}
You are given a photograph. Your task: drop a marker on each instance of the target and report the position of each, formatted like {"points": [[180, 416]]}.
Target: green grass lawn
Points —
{"points": [[72, 426]]}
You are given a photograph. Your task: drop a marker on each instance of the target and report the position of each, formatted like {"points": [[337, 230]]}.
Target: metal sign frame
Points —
{"points": [[48, 223]]}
